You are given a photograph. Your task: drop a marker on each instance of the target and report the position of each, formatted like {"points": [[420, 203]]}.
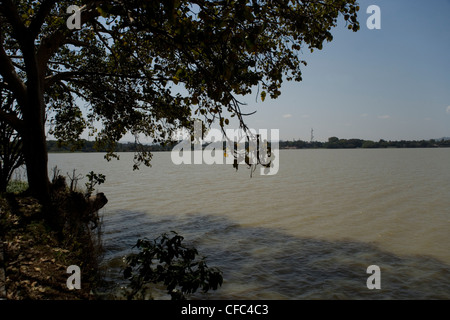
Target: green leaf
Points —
{"points": [[263, 96], [102, 12]]}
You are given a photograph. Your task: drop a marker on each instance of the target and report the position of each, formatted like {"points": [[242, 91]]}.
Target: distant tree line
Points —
{"points": [[332, 143], [336, 143], [90, 146]]}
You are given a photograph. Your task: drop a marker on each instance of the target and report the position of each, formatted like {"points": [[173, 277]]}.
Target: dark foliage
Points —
{"points": [[168, 261]]}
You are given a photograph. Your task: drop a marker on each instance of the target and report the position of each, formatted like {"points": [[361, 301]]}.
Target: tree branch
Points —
{"points": [[70, 75], [38, 21], [8, 72], [50, 44], [9, 10], [12, 120], [77, 43]]}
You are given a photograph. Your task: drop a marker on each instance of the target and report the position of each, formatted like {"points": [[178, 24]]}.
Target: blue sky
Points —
{"points": [[392, 83]]}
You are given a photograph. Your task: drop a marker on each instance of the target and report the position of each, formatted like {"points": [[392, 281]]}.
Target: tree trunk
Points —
{"points": [[33, 134], [36, 161], [34, 138]]}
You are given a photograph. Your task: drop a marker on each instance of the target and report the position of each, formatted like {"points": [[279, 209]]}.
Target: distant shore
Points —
{"points": [[333, 143]]}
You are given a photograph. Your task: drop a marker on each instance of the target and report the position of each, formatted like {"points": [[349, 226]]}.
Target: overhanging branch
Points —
{"points": [[50, 44]]}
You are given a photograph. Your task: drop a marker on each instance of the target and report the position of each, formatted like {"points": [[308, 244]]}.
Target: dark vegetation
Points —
{"points": [[168, 261], [90, 146], [332, 143], [336, 143], [36, 252], [11, 155]]}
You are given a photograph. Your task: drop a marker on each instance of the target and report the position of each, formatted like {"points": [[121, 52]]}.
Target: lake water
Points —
{"points": [[308, 232]]}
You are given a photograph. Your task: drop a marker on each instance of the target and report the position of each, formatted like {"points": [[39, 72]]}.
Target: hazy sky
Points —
{"points": [[392, 83]]}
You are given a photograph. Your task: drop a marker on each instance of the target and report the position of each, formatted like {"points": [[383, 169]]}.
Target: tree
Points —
{"points": [[369, 144], [333, 142], [146, 66]]}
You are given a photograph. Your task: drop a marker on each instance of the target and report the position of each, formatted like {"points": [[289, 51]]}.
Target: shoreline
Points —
{"points": [[34, 258]]}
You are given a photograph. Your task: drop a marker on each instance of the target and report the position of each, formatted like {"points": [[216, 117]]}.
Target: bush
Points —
{"points": [[166, 260], [16, 186]]}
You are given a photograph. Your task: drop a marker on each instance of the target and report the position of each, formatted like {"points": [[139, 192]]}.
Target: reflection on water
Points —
{"points": [[310, 232]]}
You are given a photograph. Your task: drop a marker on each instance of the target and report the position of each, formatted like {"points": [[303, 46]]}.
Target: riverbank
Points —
{"points": [[34, 257]]}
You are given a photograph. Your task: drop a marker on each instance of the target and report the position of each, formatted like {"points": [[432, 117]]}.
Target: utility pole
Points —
{"points": [[312, 135]]}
